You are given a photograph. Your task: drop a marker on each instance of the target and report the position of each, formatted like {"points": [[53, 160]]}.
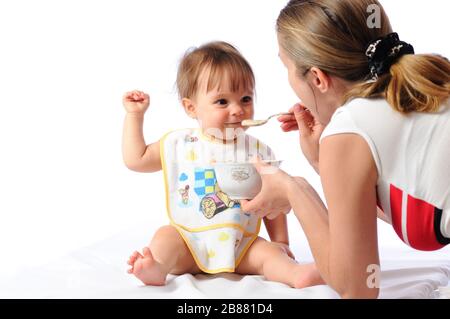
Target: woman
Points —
{"points": [[387, 146]]}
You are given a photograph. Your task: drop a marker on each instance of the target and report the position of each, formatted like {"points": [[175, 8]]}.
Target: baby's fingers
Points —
{"points": [[128, 95], [135, 96], [146, 97], [138, 96]]}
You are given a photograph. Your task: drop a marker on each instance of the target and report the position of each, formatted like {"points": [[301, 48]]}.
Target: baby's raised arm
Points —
{"points": [[137, 155]]}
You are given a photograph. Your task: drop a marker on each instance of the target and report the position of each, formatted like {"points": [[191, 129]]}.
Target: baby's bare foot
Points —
{"points": [[307, 275], [146, 268]]}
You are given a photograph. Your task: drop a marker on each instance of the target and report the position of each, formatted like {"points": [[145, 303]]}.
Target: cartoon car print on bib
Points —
{"points": [[213, 200]]}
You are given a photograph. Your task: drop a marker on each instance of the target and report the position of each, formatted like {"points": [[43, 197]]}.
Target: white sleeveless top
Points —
{"points": [[412, 156], [212, 225]]}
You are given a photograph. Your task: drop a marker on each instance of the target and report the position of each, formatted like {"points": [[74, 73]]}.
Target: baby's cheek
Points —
{"points": [[219, 119], [250, 112], [215, 123]]}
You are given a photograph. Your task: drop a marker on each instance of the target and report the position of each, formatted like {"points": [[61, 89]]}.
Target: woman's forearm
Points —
{"points": [[336, 270], [277, 229], [133, 146], [313, 217]]}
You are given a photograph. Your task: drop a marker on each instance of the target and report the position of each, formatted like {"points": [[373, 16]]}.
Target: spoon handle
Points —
{"points": [[282, 113]]}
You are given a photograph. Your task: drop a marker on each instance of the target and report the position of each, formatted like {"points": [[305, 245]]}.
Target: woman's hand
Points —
{"points": [[272, 199], [309, 128], [136, 102]]}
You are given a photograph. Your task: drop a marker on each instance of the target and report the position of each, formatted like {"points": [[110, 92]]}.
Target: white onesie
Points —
{"points": [[212, 225]]}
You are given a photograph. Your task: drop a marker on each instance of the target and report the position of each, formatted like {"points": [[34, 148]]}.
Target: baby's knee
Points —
{"points": [[165, 236], [275, 248], [269, 249], [166, 230]]}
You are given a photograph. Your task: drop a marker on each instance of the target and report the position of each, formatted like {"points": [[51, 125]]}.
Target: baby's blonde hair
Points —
{"points": [[333, 36], [220, 59]]}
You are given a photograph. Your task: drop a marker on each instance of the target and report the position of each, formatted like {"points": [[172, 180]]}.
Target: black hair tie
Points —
{"points": [[384, 51]]}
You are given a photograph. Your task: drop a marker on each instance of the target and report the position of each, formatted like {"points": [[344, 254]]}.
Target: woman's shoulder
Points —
{"points": [[365, 104], [365, 113], [382, 107]]}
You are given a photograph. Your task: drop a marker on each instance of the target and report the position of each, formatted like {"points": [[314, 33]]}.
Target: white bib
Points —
{"points": [[212, 225]]}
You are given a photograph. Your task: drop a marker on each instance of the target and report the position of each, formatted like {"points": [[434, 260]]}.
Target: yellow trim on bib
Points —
{"points": [[219, 270], [164, 169], [213, 139], [217, 226]]}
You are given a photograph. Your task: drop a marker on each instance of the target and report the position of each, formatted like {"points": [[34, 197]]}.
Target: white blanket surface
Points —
{"points": [[99, 271]]}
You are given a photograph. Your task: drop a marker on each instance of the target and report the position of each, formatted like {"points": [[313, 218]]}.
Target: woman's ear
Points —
{"points": [[320, 80], [189, 107]]}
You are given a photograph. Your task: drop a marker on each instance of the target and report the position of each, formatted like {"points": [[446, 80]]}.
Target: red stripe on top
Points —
{"points": [[420, 226], [396, 209]]}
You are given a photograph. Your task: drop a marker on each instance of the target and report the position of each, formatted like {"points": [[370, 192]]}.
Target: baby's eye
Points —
{"points": [[247, 99], [222, 102]]}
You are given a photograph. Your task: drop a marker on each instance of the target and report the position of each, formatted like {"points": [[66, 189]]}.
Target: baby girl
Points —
{"points": [[208, 232]]}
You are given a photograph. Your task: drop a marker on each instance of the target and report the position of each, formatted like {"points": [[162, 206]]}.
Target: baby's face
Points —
{"points": [[220, 111]]}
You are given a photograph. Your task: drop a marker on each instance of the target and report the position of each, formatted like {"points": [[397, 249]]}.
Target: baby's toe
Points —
{"points": [[146, 251], [136, 255]]}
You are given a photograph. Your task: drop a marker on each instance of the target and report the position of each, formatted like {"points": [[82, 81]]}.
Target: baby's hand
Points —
{"points": [[136, 101]]}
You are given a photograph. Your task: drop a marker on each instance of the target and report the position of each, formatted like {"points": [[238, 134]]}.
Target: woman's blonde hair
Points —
{"points": [[333, 35], [221, 60]]}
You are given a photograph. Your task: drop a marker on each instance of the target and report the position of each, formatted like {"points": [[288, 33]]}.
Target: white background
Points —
{"points": [[64, 66]]}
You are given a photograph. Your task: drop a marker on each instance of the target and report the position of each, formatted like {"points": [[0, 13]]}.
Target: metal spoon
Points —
{"points": [[261, 122]]}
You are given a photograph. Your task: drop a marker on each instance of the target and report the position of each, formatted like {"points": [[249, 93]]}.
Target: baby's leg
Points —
{"points": [[270, 260], [168, 254]]}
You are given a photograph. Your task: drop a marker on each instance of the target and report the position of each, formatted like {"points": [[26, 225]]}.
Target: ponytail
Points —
{"points": [[419, 83]]}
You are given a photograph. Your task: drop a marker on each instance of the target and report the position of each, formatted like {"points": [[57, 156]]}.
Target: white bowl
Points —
{"points": [[239, 180]]}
